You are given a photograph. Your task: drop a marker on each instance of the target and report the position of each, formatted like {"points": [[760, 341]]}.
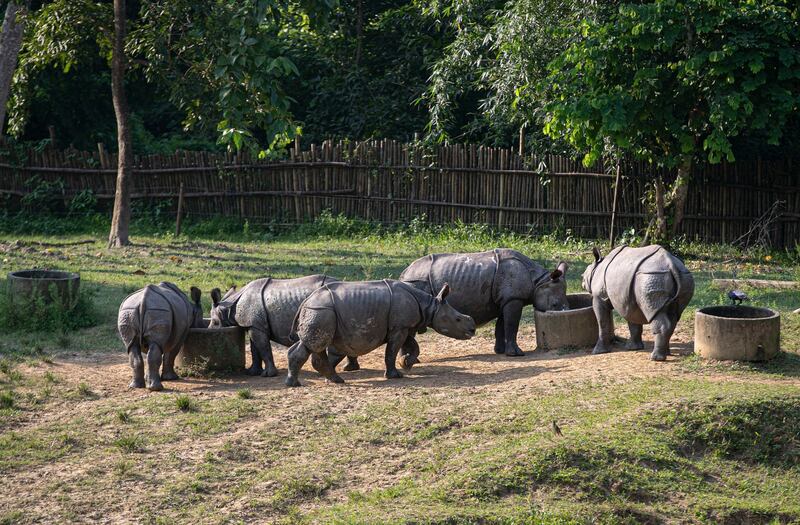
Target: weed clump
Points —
{"points": [[7, 399], [185, 404], [244, 393], [131, 444]]}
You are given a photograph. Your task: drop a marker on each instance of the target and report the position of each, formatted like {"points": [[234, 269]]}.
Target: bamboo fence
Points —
{"points": [[392, 182]]}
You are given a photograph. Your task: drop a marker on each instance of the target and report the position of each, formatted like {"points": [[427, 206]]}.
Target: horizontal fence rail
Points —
{"points": [[392, 182]]}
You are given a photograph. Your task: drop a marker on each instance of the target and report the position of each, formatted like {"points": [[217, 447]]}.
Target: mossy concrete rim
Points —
{"points": [[576, 327], [49, 285]]}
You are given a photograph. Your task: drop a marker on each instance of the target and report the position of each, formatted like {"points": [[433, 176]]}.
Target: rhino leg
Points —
{"points": [[602, 310], [512, 313], [154, 358], [352, 364], [409, 354], [137, 365], [663, 326], [499, 336], [635, 342], [168, 371], [259, 342], [322, 365], [255, 359], [395, 342], [298, 355]]}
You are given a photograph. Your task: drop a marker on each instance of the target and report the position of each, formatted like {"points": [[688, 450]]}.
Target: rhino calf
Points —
{"points": [[156, 320], [646, 286], [266, 307], [357, 317], [490, 285]]}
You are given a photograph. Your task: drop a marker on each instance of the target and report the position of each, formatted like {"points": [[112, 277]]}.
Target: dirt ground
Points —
{"points": [[449, 368]]}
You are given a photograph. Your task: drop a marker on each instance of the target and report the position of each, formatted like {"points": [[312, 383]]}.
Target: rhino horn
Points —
{"points": [[443, 292], [596, 254], [195, 294], [215, 296]]}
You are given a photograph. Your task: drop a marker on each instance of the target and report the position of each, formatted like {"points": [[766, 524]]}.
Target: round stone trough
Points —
{"points": [[49, 285], [739, 333], [213, 350], [573, 328]]}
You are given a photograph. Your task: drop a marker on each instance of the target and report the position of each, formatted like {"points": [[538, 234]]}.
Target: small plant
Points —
{"points": [[185, 403], [7, 399], [84, 390], [123, 416], [244, 393], [123, 468], [130, 444], [5, 366], [50, 377]]}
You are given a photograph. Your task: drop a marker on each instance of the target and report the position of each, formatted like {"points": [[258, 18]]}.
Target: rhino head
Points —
{"points": [[449, 321], [197, 308], [551, 293], [222, 309], [586, 283]]}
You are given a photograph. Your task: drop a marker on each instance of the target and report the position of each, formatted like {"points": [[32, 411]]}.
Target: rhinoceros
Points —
{"points": [[645, 285], [266, 307], [357, 317], [156, 320], [489, 285]]}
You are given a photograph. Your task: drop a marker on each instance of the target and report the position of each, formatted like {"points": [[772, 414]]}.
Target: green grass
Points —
{"points": [[710, 443]]}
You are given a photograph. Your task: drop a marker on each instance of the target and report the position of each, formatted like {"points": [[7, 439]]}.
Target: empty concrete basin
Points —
{"points": [[740, 333], [574, 328]]}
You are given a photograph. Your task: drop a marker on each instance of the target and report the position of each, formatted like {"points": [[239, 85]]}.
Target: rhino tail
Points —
{"points": [[142, 310]]}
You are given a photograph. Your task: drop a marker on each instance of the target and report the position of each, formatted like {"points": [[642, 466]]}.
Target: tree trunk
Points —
{"points": [[661, 219], [680, 191], [10, 44], [121, 217]]}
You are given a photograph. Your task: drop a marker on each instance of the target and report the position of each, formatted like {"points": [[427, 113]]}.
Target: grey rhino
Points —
{"points": [[489, 285], [645, 285], [156, 320], [266, 307], [357, 317]]}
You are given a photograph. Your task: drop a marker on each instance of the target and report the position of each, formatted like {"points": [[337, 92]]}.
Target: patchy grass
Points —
{"points": [[689, 441]]}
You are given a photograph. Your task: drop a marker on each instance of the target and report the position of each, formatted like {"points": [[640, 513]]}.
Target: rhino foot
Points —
{"points": [[155, 387], [336, 379], [136, 383], [634, 345], [351, 366], [499, 349], [169, 376], [407, 361], [269, 372], [393, 374], [658, 356], [292, 381], [514, 352], [254, 370], [601, 349]]}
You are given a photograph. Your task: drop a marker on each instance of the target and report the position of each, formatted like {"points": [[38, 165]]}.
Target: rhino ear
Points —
{"points": [[215, 296], [229, 292], [195, 293], [444, 292], [556, 274], [596, 254], [562, 267]]}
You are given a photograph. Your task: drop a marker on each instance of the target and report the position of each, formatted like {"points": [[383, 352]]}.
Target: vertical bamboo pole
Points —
{"points": [[614, 206], [179, 215]]}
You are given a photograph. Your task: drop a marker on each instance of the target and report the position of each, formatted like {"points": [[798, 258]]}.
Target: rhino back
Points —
{"points": [[471, 277], [283, 297], [362, 315]]}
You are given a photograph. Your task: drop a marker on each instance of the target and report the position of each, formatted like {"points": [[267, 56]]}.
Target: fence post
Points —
{"points": [[101, 150], [614, 206], [521, 141], [178, 217]]}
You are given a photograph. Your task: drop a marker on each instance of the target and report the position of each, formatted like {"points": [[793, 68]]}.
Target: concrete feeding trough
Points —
{"points": [[738, 333], [213, 350], [49, 285], [573, 328]]}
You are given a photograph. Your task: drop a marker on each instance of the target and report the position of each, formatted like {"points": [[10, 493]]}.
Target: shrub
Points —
{"points": [[185, 404]]}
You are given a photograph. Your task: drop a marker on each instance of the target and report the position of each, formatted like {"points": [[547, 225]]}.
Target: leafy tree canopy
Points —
{"points": [[676, 80]]}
